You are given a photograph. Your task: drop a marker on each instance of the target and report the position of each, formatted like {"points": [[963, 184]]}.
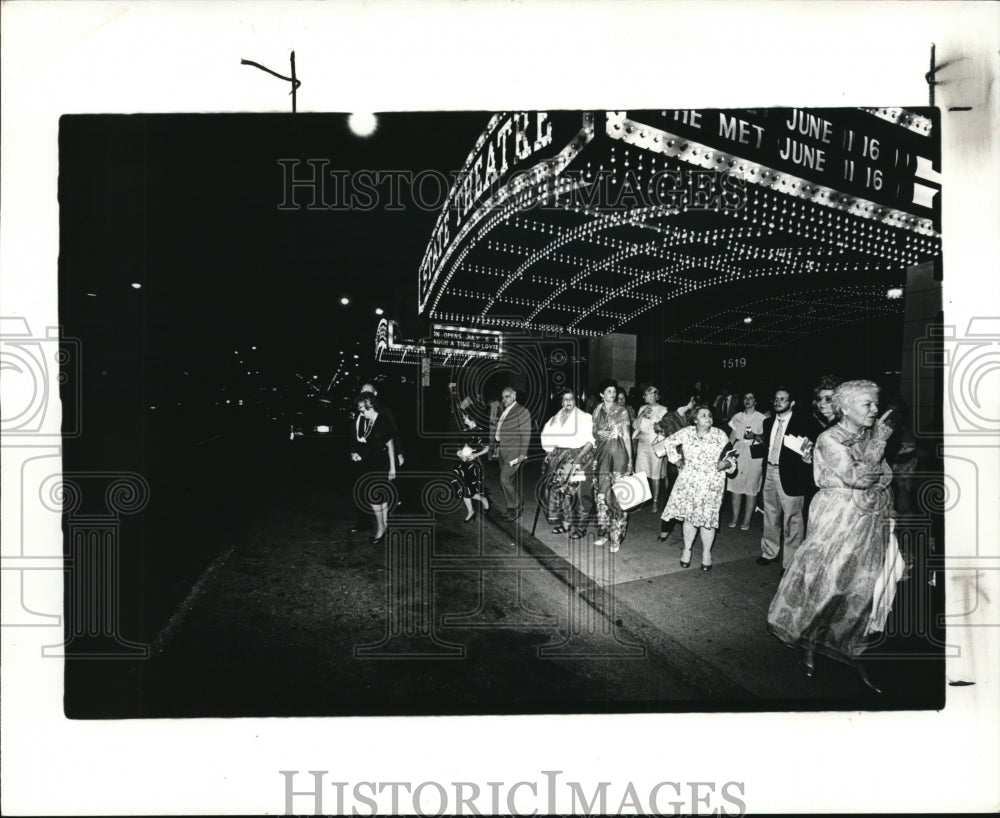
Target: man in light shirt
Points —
{"points": [[787, 478], [509, 439]]}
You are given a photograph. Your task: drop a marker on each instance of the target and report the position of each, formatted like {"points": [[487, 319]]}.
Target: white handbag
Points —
{"points": [[632, 490]]}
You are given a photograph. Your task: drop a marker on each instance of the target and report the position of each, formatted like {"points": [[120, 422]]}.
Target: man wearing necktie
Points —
{"points": [[509, 440], [725, 407], [787, 474]]}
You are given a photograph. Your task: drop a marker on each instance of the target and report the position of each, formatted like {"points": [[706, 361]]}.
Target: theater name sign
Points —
{"points": [[577, 222], [446, 343]]}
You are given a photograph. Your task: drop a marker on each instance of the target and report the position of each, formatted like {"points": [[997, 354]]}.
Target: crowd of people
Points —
{"points": [[818, 473]]}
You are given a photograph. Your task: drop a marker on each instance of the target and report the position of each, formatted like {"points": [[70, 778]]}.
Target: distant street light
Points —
{"points": [[894, 292], [379, 311], [362, 124], [136, 285]]}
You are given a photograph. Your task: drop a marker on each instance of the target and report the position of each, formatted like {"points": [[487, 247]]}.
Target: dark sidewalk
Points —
{"points": [[713, 624]]}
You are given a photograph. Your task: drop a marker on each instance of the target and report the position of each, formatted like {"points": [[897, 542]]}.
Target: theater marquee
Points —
{"points": [[576, 223]]}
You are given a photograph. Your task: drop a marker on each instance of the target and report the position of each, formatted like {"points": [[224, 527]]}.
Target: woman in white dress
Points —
{"points": [[745, 484], [645, 435], [697, 494]]}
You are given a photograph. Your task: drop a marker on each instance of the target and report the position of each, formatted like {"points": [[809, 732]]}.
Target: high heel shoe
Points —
{"points": [[807, 663], [867, 681], [662, 537], [706, 567], [688, 563], [469, 519], [378, 538]]}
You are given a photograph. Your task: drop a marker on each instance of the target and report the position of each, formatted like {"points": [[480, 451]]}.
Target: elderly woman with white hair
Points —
{"points": [[838, 591]]}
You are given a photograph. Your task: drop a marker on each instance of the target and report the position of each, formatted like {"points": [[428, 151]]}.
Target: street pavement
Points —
{"points": [[298, 616], [713, 623]]}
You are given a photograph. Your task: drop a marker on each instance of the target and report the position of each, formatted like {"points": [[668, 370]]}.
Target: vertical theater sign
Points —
{"points": [[575, 223]]}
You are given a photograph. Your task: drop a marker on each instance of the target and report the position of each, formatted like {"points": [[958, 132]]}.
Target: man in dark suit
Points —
{"points": [[725, 407], [787, 477], [509, 438]]}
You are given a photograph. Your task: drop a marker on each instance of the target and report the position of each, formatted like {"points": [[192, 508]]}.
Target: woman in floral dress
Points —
{"points": [[839, 588], [697, 494], [612, 459]]}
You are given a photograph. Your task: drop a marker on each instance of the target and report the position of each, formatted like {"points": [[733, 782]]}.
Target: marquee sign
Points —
{"points": [[390, 348], [447, 342], [567, 223], [466, 341], [505, 162], [846, 150]]}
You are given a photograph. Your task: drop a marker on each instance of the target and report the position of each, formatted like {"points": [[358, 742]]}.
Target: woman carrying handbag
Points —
{"points": [[707, 456]]}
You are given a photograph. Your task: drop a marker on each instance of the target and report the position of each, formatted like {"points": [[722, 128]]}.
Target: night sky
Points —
{"points": [[188, 207]]}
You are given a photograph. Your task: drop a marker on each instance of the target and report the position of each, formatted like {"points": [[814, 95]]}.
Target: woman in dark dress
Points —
{"points": [[470, 481], [824, 417], [375, 450], [822, 405], [468, 478]]}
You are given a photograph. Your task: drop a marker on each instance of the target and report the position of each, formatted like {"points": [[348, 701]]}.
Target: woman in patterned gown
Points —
{"points": [[568, 441], [697, 494], [612, 459], [839, 588]]}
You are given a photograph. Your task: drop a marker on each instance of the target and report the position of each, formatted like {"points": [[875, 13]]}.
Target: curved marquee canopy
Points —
{"points": [[579, 222]]}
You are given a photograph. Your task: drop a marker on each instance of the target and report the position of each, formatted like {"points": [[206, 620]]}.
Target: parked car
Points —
{"points": [[322, 418]]}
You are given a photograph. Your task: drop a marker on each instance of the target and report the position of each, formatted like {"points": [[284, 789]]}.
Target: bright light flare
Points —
{"points": [[362, 124]]}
